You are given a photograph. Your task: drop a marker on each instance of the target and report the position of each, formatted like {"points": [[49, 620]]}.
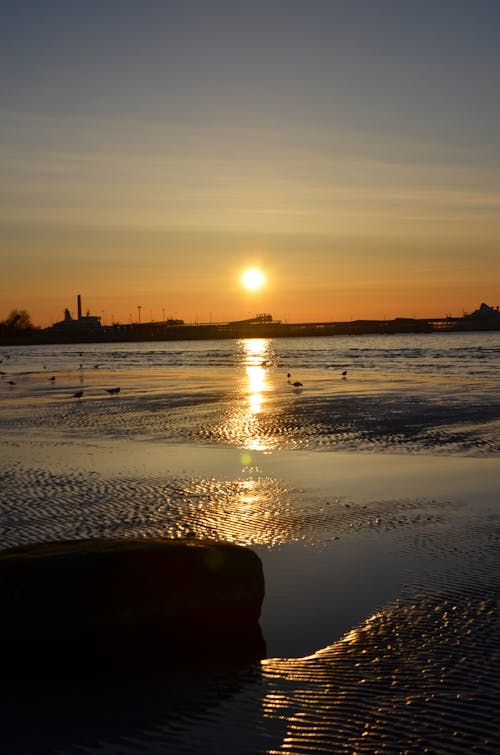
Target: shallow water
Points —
{"points": [[461, 354], [373, 502], [436, 393]]}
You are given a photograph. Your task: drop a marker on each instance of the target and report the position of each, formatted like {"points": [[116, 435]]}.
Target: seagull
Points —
{"points": [[78, 394], [112, 391], [344, 374], [11, 382], [297, 383], [52, 379]]}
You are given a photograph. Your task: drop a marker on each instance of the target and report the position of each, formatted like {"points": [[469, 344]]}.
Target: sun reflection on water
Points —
{"points": [[255, 401], [254, 510], [255, 354], [243, 424]]}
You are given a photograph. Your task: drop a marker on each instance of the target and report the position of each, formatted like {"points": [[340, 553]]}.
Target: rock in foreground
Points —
{"points": [[125, 607]]}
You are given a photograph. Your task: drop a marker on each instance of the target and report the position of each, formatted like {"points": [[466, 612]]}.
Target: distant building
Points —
{"points": [[82, 323], [485, 314], [257, 320]]}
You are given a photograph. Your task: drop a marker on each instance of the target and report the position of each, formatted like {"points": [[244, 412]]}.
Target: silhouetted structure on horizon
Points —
{"points": [[82, 324], [89, 329], [485, 315]]}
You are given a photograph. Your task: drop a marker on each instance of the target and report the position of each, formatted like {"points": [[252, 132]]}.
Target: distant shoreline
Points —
{"points": [[159, 331]]}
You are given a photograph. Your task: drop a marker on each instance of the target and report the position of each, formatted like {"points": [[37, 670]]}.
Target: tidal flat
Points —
{"points": [[372, 502]]}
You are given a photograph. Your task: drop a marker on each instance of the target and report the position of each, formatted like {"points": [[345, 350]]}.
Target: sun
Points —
{"points": [[253, 279]]}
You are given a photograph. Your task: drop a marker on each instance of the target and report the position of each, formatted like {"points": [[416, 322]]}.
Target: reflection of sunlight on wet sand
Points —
{"points": [[256, 385], [256, 510], [254, 353], [403, 680], [242, 423], [255, 403], [249, 495]]}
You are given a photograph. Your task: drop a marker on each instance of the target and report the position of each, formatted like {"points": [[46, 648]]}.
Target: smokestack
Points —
{"points": [[79, 300]]}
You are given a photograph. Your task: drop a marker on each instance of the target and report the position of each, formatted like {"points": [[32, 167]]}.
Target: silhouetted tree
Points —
{"points": [[18, 318], [17, 323]]}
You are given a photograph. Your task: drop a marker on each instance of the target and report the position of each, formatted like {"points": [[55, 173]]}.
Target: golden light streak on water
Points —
{"points": [[255, 401], [244, 422], [256, 510]]}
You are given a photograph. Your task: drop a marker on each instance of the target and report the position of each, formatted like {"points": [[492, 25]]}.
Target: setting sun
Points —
{"points": [[253, 279]]}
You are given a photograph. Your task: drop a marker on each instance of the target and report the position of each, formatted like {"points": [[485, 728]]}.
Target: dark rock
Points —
{"points": [[131, 606]]}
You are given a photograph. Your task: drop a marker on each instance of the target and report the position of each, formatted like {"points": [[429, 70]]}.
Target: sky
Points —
{"points": [[151, 151]]}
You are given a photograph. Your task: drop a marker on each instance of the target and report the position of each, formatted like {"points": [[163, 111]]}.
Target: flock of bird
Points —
{"points": [[298, 384], [115, 391], [78, 394], [52, 379], [111, 391]]}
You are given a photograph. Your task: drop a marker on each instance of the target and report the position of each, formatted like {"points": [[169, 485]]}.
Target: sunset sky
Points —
{"points": [[153, 150]]}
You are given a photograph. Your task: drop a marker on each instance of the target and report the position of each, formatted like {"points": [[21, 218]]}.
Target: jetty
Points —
{"points": [[88, 329]]}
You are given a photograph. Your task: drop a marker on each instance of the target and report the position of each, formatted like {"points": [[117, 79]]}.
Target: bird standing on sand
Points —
{"points": [[344, 374], [11, 382], [78, 394], [112, 391], [52, 379]]}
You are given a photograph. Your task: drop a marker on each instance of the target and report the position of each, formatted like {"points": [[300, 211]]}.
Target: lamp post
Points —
{"points": [[139, 307]]}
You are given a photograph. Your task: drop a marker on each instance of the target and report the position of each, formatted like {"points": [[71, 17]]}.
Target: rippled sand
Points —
{"points": [[381, 609], [261, 411]]}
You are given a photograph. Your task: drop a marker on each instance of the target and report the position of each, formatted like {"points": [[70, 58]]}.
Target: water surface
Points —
{"points": [[373, 501]]}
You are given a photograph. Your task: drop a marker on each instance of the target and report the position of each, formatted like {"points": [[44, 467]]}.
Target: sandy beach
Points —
{"points": [[381, 567]]}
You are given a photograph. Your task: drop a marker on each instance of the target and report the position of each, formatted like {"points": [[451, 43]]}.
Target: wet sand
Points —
{"points": [[381, 608]]}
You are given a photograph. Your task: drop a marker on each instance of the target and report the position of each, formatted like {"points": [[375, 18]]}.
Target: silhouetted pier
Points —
{"points": [[261, 326]]}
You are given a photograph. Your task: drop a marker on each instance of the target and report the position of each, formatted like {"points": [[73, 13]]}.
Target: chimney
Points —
{"points": [[79, 300]]}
